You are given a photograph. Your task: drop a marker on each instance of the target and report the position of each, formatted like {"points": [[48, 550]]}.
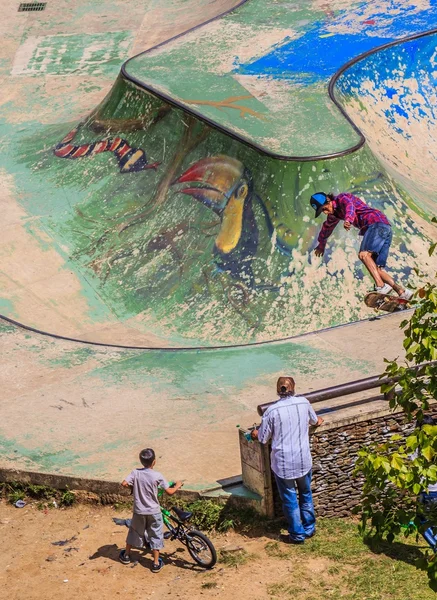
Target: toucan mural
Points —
{"points": [[226, 186]]}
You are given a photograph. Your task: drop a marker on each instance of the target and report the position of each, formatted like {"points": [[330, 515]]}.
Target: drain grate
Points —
{"points": [[31, 6]]}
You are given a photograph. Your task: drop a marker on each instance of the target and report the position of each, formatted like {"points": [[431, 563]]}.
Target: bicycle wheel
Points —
{"points": [[201, 549]]}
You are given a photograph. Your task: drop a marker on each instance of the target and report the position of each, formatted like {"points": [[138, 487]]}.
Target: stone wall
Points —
{"points": [[335, 447]]}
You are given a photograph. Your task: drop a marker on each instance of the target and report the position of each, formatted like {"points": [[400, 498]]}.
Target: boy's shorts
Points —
{"points": [[146, 529], [377, 240]]}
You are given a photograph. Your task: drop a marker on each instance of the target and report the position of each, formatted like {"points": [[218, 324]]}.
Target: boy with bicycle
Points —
{"points": [[147, 519]]}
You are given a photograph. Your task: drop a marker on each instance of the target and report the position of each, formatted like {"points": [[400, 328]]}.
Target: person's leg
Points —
{"points": [[374, 252], [155, 535], [135, 537], [306, 505], [429, 502], [381, 260], [290, 505], [388, 279], [366, 258]]}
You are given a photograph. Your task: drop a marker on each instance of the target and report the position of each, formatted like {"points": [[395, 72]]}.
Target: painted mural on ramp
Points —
{"points": [[182, 222]]}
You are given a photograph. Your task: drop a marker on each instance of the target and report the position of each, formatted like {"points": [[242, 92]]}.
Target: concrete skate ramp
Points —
{"points": [[96, 246], [391, 95], [176, 212]]}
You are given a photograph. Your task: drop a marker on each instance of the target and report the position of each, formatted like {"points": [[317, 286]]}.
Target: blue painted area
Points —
{"points": [[390, 73], [323, 47], [311, 57]]}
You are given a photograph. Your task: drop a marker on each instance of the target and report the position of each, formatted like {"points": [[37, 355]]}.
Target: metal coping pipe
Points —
{"points": [[344, 389]]}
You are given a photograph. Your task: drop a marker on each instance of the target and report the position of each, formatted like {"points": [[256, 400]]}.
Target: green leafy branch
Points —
{"points": [[396, 472]]}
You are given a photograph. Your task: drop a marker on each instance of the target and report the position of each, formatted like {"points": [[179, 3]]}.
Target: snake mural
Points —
{"points": [[130, 160]]}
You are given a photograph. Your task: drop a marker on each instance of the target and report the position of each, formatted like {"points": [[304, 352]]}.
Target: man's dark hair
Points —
{"points": [[330, 196], [425, 420], [147, 457]]}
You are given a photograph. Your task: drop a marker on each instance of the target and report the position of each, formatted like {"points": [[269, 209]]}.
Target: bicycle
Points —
{"points": [[198, 545]]}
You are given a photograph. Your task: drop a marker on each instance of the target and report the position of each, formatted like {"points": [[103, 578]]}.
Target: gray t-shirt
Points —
{"points": [[145, 484]]}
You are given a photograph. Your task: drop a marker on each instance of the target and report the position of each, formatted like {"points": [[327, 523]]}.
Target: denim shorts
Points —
{"points": [[377, 240]]}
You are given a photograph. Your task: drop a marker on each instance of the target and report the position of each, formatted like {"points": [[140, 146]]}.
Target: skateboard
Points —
{"points": [[385, 302]]}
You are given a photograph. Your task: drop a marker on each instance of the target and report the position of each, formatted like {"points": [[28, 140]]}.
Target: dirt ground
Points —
{"points": [[87, 567]]}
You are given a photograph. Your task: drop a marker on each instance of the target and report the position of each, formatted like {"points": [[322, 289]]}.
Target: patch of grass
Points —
{"points": [[237, 558], [334, 570], [364, 575], [41, 492], [213, 514], [276, 550], [209, 585], [16, 495], [67, 498], [206, 514], [14, 491], [281, 589], [326, 542]]}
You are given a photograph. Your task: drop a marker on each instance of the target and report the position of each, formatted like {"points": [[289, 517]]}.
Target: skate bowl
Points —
{"points": [[161, 203], [180, 203]]}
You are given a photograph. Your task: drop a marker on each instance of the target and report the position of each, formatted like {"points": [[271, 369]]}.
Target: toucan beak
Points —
{"points": [[216, 176]]}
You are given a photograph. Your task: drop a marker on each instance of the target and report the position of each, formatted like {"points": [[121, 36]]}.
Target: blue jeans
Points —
{"points": [[298, 512], [429, 534], [377, 240]]}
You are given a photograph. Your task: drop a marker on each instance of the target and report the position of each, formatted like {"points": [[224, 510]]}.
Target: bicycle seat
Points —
{"points": [[182, 514]]}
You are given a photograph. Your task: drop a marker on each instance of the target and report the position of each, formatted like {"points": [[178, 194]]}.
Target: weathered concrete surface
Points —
{"points": [[131, 258], [85, 411]]}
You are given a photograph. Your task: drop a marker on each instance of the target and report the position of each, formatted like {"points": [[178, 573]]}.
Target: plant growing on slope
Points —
{"points": [[399, 470]]}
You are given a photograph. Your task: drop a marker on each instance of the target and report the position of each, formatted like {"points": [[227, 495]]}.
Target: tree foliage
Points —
{"points": [[397, 471]]}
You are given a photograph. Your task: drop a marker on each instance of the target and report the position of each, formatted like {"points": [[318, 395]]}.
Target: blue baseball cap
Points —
{"points": [[318, 201]]}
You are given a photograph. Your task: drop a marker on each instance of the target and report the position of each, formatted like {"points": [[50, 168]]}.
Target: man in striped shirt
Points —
{"points": [[374, 227], [286, 423]]}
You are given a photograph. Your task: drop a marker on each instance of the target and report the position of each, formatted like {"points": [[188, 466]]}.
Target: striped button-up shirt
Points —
{"points": [[286, 423], [348, 207]]}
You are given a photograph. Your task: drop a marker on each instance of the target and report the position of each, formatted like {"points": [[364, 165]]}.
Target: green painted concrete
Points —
{"points": [[161, 269], [290, 120], [69, 266]]}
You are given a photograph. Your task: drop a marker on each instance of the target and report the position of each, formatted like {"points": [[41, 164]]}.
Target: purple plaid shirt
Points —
{"points": [[348, 207]]}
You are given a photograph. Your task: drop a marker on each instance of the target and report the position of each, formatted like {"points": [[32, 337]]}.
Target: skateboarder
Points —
{"points": [[374, 227]]}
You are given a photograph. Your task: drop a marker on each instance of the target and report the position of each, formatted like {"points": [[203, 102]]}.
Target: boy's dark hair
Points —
{"points": [[147, 457]]}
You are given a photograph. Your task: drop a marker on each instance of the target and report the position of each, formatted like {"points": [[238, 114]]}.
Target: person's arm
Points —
{"points": [[264, 431], [349, 210], [129, 481], [315, 421], [327, 228], [172, 490]]}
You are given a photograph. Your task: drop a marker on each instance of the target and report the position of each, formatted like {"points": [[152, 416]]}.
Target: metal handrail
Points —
{"points": [[351, 387]]}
